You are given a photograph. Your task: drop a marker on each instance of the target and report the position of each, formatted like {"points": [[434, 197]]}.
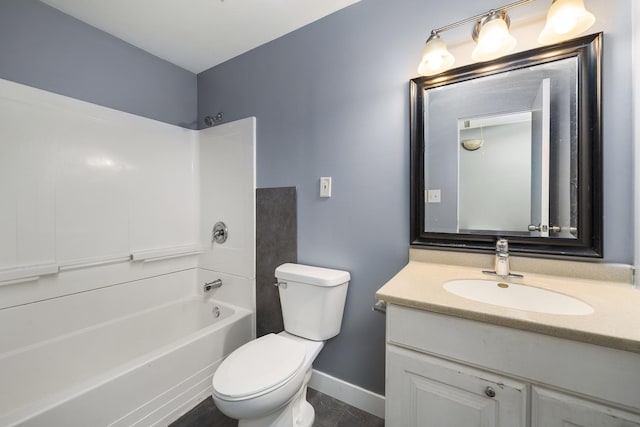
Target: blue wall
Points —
{"points": [[47, 49], [332, 99]]}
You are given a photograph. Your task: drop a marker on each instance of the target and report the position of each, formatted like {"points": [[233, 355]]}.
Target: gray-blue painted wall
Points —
{"points": [[332, 99], [47, 49]]}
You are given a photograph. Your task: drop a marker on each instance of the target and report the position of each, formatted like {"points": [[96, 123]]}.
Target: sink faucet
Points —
{"points": [[501, 265]]}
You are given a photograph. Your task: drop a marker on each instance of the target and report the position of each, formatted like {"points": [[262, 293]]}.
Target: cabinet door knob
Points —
{"points": [[490, 392]]}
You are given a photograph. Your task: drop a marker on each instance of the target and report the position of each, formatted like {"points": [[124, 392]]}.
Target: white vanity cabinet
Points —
{"points": [[445, 371], [555, 409], [427, 391]]}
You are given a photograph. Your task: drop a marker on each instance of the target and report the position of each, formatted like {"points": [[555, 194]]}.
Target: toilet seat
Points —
{"points": [[258, 367]]}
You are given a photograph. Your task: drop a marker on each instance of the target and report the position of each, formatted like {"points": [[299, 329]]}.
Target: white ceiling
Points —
{"points": [[198, 34]]}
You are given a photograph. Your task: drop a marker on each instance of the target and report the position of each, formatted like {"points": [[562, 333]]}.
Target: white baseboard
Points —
{"points": [[348, 393]]}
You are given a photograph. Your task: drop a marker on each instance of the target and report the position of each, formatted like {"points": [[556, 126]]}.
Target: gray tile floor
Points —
{"points": [[329, 413]]}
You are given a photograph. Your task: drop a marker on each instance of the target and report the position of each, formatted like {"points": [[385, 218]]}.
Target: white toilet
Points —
{"points": [[264, 382]]}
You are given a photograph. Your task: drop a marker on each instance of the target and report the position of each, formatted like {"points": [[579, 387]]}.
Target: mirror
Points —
{"points": [[510, 148]]}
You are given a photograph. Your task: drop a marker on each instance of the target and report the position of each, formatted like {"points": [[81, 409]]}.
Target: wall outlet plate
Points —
{"points": [[433, 196]]}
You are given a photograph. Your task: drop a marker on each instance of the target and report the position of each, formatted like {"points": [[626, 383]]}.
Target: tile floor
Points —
{"points": [[329, 413]]}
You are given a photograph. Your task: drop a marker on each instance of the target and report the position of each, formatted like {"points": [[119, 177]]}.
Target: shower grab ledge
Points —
{"points": [[151, 255], [26, 273], [78, 264], [33, 272]]}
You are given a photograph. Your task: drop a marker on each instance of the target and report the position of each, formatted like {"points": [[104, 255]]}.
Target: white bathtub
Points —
{"points": [[140, 353]]}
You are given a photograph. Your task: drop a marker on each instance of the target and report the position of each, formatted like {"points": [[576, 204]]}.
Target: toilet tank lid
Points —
{"points": [[318, 276]]}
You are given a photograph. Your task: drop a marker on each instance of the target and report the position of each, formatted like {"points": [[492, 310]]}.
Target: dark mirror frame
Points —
{"points": [[588, 51]]}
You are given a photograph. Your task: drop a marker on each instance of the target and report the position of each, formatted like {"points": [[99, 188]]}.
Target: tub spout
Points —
{"points": [[212, 285]]}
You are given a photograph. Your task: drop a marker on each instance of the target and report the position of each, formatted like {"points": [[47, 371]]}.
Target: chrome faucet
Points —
{"points": [[501, 264], [212, 285]]}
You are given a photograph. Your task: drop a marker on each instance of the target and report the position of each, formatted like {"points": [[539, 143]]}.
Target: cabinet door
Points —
{"points": [[425, 391], [554, 409]]}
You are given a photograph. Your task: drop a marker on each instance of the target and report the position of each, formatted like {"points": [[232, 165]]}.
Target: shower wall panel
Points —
{"points": [[85, 186], [227, 194]]}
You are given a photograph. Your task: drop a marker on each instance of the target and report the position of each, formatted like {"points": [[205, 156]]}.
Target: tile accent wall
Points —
{"points": [[276, 243]]}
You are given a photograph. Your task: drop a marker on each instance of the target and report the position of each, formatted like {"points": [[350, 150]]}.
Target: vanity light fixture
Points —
{"points": [[435, 56], [565, 19], [492, 37]]}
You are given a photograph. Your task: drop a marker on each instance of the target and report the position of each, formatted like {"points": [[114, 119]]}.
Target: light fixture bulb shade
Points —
{"points": [[565, 19], [494, 41], [472, 144], [435, 57]]}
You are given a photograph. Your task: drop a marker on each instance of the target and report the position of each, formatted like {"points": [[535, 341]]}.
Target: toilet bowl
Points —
{"points": [[267, 378], [264, 382]]}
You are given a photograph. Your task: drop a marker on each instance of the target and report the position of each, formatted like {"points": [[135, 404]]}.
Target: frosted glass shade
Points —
{"points": [[494, 41], [472, 144], [565, 19], [435, 57]]}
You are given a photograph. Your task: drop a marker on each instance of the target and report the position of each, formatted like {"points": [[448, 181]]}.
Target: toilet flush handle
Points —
{"points": [[281, 285]]}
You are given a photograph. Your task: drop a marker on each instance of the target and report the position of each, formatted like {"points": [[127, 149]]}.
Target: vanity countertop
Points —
{"points": [[615, 322]]}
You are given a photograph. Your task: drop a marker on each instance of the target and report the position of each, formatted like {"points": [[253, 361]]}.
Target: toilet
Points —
{"points": [[264, 382]]}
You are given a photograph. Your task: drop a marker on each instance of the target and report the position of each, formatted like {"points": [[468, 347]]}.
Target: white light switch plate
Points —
{"points": [[325, 186]]}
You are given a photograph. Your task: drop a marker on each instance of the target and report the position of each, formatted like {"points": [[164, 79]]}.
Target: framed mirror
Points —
{"points": [[511, 148]]}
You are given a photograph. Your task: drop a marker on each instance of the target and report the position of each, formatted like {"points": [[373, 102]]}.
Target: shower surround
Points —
{"points": [[105, 225]]}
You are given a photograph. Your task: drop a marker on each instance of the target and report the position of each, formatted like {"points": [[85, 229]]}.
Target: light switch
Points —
{"points": [[325, 186], [433, 196]]}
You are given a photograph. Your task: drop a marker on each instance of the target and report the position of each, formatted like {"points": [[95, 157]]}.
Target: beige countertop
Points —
{"points": [[615, 322]]}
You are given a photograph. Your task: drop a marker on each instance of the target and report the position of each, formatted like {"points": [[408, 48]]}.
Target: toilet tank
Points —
{"points": [[312, 300]]}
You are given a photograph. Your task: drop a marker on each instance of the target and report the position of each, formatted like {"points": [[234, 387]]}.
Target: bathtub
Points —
{"points": [[139, 353]]}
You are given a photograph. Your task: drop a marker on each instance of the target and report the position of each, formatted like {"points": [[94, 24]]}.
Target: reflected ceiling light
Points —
{"points": [[472, 144], [435, 56], [565, 19], [492, 36]]}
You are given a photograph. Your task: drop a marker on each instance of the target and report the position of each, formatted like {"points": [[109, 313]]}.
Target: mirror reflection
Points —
{"points": [[491, 149], [500, 153]]}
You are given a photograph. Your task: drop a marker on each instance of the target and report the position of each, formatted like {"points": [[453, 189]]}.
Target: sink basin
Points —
{"points": [[518, 296]]}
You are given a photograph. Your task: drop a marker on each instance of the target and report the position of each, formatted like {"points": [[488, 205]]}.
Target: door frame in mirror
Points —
{"points": [[588, 51]]}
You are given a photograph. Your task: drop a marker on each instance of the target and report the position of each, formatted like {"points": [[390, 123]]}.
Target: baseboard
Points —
{"points": [[348, 393]]}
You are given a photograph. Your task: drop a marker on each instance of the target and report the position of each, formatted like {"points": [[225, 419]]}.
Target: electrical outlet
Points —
{"points": [[325, 186], [433, 196]]}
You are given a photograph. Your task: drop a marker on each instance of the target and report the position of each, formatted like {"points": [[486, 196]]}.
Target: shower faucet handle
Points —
{"points": [[220, 233]]}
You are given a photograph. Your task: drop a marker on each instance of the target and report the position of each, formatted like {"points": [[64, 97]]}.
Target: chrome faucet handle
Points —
{"points": [[502, 245], [220, 233]]}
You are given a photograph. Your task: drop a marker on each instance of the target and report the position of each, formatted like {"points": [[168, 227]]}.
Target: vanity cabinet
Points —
{"points": [[554, 409], [445, 371], [428, 391]]}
